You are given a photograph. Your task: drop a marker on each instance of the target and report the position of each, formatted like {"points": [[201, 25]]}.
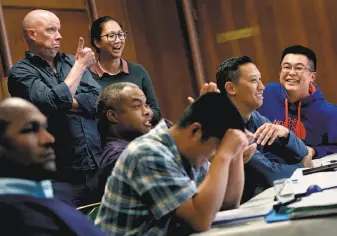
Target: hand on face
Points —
{"points": [[267, 133], [206, 88], [85, 56], [232, 145]]}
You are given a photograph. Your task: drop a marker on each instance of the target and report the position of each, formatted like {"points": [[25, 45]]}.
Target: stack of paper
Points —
{"points": [[325, 198], [241, 214], [316, 204], [323, 179]]}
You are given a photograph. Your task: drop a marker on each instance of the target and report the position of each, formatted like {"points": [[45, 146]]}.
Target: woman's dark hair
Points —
{"points": [[96, 29]]}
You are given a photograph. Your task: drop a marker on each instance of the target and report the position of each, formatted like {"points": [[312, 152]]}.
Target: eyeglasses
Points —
{"points": [[111, 37], [286, 68]]}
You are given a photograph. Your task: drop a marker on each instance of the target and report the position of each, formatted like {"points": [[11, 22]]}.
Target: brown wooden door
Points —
{"points": [[261, 29]]}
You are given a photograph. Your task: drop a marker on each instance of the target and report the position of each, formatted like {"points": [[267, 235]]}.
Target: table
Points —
{"points": [[319, 226]]}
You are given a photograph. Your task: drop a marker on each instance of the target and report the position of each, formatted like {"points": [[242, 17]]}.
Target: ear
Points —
{"points": [[313, 77], [31, 34], [194, 130], [230, 88], [112, 116], [97, 43]]}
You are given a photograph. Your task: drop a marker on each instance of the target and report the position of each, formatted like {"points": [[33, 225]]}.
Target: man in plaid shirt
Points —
{"points": [[164, 175]]}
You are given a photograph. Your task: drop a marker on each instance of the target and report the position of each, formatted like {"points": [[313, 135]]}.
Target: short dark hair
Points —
{"points": [[299, 49], [215, 113], [96, 29], [229, 71], [108, 99]]}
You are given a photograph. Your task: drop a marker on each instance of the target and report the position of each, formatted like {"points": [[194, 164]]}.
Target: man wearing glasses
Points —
{"points": [[108, 38], [62, 88], [298, 104]]}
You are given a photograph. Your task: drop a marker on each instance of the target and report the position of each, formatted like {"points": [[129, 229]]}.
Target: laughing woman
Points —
{"points": [[108, 38]]}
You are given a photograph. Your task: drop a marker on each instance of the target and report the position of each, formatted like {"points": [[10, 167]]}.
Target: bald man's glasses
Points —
{"points": [[111, 37]]}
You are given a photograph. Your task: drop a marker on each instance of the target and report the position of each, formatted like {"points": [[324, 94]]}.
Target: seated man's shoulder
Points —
{"points": [[273, 85], [19, 66], [259, 119], [145, 151], [146, 146], [40, 213], [272, 89]]}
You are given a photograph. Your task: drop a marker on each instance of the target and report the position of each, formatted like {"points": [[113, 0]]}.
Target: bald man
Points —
{"points": [[62, 88], [27, 162]]}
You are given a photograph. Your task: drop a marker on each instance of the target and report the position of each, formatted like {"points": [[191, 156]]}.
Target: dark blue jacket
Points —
{"points": [[273, 162], [319, 117], [28, 215], [77, 143], [27, 206]]}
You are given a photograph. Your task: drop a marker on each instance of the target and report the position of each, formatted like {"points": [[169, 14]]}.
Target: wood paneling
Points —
{"points": [[46, 4], [157, 41], [161, 47], [3, 85], [74, 24], [70, 32], [277, 24], [117, 9]]}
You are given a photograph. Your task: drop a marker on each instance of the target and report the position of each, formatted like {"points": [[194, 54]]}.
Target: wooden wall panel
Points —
{"points": [[74, 23], [161, 47], [156, 40], [46, 4], [117, 9], [70, 32], [276, 24]]}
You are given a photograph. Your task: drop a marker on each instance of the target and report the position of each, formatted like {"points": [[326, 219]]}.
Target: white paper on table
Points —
{"points": [[325, 160], [297, 174], [325, 198], [322, 179], [242, 213], [317, 162]]}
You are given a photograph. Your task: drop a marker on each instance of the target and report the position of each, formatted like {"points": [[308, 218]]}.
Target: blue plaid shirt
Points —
{"points": [[147, 184]]}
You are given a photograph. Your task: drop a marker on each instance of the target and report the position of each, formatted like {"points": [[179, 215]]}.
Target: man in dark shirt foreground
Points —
{"points": [[123, 115], [27, 162], [62, 88]]}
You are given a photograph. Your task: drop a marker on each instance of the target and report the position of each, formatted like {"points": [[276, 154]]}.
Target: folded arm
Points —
{"points": [[24, 83], [271, 170]]}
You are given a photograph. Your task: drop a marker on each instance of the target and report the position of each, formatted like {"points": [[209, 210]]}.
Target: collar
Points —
{"points": [[250, 124], [162, 133], [40, 189], [97, 68], [108, 140]]}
